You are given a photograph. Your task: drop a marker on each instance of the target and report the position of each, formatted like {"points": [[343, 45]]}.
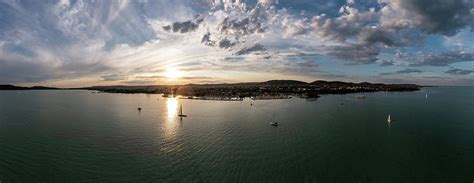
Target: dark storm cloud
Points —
{"points": [[459, 71], [405, 71], [444, 59], [441, 16], [184, 27]]}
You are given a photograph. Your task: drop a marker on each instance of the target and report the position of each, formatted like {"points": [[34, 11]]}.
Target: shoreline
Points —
{"points": [[268, 90], [226, 99]]}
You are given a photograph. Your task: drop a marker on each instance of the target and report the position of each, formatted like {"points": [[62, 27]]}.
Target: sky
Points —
{"points": [[74, 43]]}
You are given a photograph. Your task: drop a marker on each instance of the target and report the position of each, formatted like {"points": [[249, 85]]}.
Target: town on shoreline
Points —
{"points": [[273, 89]]}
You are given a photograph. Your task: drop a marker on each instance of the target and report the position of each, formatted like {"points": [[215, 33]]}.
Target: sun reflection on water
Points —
{"points": [[172, 108], [171, 122]]}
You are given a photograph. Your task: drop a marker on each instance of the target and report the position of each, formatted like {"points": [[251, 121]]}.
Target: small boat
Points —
{"points": [[426, 95], [360, 97], [389, 119], [181, 115], [139, 108], [273, 122]]}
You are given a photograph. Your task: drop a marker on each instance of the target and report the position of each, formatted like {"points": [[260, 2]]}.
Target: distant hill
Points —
{"points": [[271, 87], [13, 87], [283, 82], [270, 83], [363, 84], [253, 84], [322, 82]]}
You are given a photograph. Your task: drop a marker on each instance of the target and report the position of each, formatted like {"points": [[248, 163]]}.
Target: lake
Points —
{"points": [[79, 136]]}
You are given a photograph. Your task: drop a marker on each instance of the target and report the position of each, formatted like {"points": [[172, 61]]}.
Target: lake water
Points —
{"points": [[79, 136]]}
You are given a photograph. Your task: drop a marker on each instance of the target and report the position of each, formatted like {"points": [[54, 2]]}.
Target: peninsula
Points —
{"points": [[272, 89], [13, 87]]}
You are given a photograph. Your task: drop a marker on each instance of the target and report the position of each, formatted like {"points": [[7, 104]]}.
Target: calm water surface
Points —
{"points": [[79, 136]]}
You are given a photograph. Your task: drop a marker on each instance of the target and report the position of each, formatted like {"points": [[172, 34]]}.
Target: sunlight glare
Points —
{"points": [[173, 73]]}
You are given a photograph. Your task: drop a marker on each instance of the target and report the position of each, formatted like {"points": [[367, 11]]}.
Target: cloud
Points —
{"points": [[114, 77], [225, 43], [206, 40], [443, 59], [405, 71], [432, 16], [184, 27], [296, 27], [196, 77], [251, 49], [295, 30], [308, 64], [459, 71], [151, 77], [373, 36], [243, 26], [355, 53], [386, 63], [350, 23], [20, 71]]}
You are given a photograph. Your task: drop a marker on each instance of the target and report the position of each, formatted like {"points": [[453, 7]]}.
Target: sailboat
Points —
{"points": [[389, 119], [273, 122], [426, 95], [181, 115]]}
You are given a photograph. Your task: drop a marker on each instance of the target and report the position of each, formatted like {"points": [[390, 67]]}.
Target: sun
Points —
{"points": [[172, 73]]}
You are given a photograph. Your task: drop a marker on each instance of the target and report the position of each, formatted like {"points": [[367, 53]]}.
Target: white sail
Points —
{"points": [[388, 119], [181, 111]]}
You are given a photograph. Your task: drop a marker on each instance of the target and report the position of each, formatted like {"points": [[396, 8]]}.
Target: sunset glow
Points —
{"points": [[86, 43], [173, 73]]}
